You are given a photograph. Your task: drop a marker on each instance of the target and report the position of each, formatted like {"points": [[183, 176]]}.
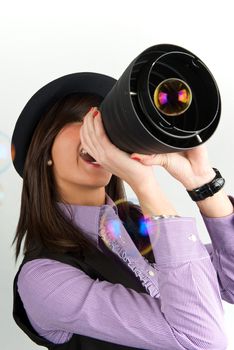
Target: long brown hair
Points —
{"points": [[41, 222]]}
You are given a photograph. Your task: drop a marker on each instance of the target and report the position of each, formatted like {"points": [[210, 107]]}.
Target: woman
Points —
{"points": [[88, 280]]}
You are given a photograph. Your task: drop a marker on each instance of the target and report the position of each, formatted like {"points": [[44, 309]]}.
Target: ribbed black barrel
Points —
{"points": [[134, 124]]}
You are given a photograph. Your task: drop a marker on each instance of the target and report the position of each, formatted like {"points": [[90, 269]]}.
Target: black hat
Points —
{"points": [[43, 99]]}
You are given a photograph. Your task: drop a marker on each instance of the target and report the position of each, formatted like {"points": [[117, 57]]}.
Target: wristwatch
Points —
{"points": [[199, 193], [209, 189]]}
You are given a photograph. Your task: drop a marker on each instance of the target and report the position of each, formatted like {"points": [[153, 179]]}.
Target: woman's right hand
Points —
{"points": [[96, 142]]}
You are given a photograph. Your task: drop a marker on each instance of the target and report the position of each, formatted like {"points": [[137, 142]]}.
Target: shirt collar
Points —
{"points": [[87, 218]]}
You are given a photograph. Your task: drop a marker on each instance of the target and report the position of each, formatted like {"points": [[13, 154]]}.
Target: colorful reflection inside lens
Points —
{"points": [[163, 98], [183, 96], [172, 97]]}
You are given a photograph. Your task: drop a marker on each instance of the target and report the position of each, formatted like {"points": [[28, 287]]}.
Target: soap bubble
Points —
{"points": [[146, 227], [172, 97], [5, 152]]}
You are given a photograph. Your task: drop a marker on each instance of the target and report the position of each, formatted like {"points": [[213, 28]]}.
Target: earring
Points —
{"points": [[49, 162]]}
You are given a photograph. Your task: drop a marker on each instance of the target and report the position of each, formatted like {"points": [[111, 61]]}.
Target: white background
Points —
{"points": [[41, 41]]}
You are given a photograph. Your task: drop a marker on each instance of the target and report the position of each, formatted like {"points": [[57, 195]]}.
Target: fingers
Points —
{"points": [[152, 159], [99, 130], [143, 156], [104, 144], [87, 133], [93, 134]]}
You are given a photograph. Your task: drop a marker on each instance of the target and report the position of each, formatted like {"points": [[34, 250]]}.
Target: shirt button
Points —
{"points": [[192, 238], [151, 273]]}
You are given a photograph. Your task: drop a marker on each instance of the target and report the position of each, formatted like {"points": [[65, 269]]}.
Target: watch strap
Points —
{"points": [[209, 189]]}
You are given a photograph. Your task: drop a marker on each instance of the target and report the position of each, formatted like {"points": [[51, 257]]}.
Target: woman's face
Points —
{"points": [[73, 175]]}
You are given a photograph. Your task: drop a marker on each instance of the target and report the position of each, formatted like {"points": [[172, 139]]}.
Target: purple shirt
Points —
{"points": [[182, 308]]}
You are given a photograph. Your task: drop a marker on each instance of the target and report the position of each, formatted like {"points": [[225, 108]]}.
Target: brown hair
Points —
{"points": [[41, 222]]}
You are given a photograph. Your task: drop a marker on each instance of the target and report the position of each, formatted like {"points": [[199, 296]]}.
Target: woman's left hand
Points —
{"points": [[192, 167]]}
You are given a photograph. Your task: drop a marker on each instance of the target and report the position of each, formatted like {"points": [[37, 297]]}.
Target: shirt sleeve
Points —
{"points": [[61, 300], [221, 250]]}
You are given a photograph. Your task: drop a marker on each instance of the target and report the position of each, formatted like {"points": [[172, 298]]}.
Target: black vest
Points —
{"points": [[109, 268]]}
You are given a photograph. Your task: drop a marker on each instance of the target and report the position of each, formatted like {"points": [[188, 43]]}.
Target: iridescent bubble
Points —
{"points": [[113, 228], [5, 152], [148, 228], [172, 97], [145, 225], [143, 228], [110, 230]]}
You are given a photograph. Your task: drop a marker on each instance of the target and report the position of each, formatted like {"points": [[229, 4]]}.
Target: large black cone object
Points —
{"points": [[132, 121]]}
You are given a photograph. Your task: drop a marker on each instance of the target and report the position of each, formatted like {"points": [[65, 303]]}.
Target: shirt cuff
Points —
{"points": [[221, 230], [175, 240]]}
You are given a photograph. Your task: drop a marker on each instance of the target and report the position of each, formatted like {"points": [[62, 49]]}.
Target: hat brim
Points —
{"points": [[43, 99]]}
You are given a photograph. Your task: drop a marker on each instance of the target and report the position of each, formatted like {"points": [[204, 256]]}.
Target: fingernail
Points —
{"points": [[136, 158], [95, 113], [90, 109]]}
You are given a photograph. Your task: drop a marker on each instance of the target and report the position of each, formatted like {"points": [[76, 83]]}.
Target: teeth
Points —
{"points": [[83, 151], [83, 154]]}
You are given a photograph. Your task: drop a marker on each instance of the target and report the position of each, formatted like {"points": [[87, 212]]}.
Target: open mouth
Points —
{"points": [[87, 157]]}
